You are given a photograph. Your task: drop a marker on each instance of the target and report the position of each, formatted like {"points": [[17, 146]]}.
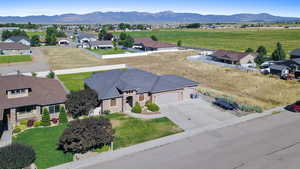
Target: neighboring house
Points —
{"points": [[295, 54], [19, 39], [147, 44], [25, 97], [232, 57], [104, 44], [86, 38], [10, 49], [119, 90], [63, 41]]}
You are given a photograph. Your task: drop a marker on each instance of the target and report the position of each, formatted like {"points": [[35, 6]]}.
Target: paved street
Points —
{"points": [[271, 142], [195, 113], [39, 63]]}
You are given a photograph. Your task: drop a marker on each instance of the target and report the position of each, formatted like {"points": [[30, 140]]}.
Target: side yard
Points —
{"points": [[128, 131], [17, 58]]}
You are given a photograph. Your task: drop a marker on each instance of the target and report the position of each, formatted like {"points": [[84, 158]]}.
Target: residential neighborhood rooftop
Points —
{"points": [[148, 42], [44, 91], [18, 38], [110, 84], [13, 46], [230, 55]]}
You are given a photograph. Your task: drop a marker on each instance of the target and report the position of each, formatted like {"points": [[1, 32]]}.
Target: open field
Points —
{"points": [[17, 58], [230, 39], [129, 131], [31, 34], [246, 87]]}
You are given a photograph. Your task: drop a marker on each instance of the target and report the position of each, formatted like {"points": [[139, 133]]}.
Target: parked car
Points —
{"points": [[223, 103], [295, 107]]}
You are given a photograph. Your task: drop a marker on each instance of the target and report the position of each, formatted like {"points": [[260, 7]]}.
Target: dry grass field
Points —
{"points": [[246, 87]]}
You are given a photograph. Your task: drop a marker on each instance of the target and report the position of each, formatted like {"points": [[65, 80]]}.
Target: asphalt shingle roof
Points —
{"points": [[110, 84], [295, 52], [18, 38], [13, 46]]}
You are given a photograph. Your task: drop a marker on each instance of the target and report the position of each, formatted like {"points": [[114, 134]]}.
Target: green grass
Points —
{"points": [[44, 141], [109, 51], [239, 39], [17, 58], [74, 82], [31, 34], [130, 131]]}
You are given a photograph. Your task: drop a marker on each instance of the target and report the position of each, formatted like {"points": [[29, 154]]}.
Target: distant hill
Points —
{"points": [[145, 17]]}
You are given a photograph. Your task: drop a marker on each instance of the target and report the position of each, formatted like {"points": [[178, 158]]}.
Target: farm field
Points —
{"points": [[229, 39], [246, 87]]}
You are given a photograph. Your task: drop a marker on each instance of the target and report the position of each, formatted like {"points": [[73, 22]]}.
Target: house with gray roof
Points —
{"points": [[295, 53], [103, 44], [18, 39], [119, 90]]}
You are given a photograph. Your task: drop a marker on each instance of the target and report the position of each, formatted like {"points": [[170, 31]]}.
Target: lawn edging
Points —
{"points": [[112, 155]]}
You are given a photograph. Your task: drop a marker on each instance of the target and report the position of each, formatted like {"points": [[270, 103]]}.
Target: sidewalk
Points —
{"points": [[145, 116], [109, 156]]}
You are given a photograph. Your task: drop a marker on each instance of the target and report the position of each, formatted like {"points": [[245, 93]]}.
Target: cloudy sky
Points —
{"points": [[226, 7]]}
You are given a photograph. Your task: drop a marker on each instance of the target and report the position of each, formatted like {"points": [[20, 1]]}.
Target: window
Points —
{"points": [[53, 109], [23, 110], [113, 102], [141, 97]]}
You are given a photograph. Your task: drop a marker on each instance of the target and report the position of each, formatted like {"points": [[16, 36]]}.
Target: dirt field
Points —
{"points": [[247, 87]]}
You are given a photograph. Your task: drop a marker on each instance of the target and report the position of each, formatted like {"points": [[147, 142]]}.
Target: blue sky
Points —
{"points": [[227, 7]]}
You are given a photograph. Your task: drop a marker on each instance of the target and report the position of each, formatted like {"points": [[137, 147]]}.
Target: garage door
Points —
{"points": [[167, 98]]}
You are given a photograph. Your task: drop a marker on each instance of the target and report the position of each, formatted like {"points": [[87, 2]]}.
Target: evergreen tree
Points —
{"points": [[35, 41], [279, 53], [63, 119], [102, 34], [179, 43], [153, 37], [45, 118], [262, 51]]}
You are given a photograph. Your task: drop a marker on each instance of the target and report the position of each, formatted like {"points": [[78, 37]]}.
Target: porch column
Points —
{"points": [[13, 118]]}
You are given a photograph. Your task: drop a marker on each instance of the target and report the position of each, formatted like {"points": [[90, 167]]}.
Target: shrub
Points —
{"points": [[136, 108], [51, 75], [87, 134], [16, 156], [248, 108], [153, 107], [37, 124], [46, 118], [228, 99], [17, 130], [23, 122], [106, 112], [21, 126], [30, 123], [54, 120], [63, 119]]}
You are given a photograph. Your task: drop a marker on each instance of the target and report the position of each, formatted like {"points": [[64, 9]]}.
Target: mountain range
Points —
{"points": [[145, 17]]}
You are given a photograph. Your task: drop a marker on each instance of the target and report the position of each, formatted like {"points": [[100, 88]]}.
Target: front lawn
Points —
{"points": [[130, 131], [44, 142], [17, 58], [109, 51]]}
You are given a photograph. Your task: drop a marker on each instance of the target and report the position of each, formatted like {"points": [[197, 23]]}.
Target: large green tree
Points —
{"points": [[81, 102], [35, 40], [102, 34], [279, 53], [262, 51]]}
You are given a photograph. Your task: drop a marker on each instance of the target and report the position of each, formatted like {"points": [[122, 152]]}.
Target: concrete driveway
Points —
{"points": [[195, 113], [39, 63]]}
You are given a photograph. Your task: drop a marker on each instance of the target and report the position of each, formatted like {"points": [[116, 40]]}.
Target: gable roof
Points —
{"points": [[278, 67], [85, 35], [149, 43], [44, 91], [18, 38], [111, 84], [13, 46], [295, 52], [231, 55]]}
